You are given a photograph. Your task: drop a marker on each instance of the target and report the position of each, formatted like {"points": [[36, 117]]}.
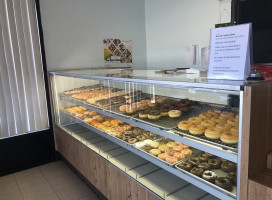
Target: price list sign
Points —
{"points": [[230, 53]]}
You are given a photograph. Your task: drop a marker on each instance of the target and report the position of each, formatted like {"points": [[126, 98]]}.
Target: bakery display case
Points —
{"points": [[189, 127]]}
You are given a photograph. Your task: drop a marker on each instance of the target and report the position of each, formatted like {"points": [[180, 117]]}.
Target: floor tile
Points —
{"points": [[7, 187], [6, 179], [13, 195], [53, 166], [61, 182], [56, 171], [92, 197], [52, 196], [31, 180], [37, 191], [74, 192], [26, 173]]}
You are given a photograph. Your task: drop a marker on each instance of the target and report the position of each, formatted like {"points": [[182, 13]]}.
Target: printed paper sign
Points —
{"points": [[230, 53], [117, 53]]}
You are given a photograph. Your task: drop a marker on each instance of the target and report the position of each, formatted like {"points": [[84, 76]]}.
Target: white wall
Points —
{"points": [[74, 30], [160, 29], [172, 25]]}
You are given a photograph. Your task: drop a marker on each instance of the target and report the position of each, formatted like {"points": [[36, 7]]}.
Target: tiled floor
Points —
{"points": [[53, 181]]}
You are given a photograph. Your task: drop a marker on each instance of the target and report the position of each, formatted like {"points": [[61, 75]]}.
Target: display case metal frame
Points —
{"points": [[236, 88]]}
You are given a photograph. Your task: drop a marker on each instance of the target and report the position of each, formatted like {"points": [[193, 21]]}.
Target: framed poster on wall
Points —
{"points": [[117, 53]]}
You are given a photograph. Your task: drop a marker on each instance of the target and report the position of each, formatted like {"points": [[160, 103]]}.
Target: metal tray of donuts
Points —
{"points": [[84, 88], [219, 173], [138, 146], [216, 142], [167, 123]]}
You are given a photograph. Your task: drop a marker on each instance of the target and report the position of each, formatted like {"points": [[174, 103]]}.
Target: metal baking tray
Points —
{"points": [[63, 96], [167, 123], [195, 152], [203, 138], [85, 87], [219, 172]]}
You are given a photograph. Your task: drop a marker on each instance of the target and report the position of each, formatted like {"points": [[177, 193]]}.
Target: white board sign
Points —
{"points": [[230, 53]]}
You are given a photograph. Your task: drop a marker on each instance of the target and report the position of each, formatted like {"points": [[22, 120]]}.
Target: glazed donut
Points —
{"points": [[204, 166], [197, 171], [209, 176], [100, 120], [213, 133], [141, 137], [208, 123], [171, 152], [205, 116], [132, 140], [179, 155], [155, 152], [146, 148], [214, 163], [195, 120], [187, 152], [185, 166], [143, 114], [174, 113], [223, 126], [224, 183], [232, 122], [197, 129], [234, 130], [154, 145], [125, 138], [163, 147], [233, 177], [123, 108], [171, 159], [184, 146], [177, 148], [229, 138], [214, 112], [228, 166], [171, 144], [218, 119], [227, 114], [194, 161], [184, 125], [163, 156], [131, 111]]}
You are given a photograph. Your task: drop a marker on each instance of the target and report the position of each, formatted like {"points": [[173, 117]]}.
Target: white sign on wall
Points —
{"points": [[230, 53]]}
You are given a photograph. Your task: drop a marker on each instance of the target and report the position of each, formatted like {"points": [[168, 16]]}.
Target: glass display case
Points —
{"points": [[185, 124]]}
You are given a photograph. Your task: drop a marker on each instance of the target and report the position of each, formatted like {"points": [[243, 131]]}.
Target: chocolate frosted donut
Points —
{"points": [[203, 158], [209, 155], [233, 177], [228, 166], [197, 171], [185, 166], [194, 162], [204, 166], [214, 163], [209, 176], [224, 183]]}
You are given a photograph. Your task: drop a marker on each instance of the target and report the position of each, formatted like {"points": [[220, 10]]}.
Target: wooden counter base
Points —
{"points": [[258, 191], [108, 179]]}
